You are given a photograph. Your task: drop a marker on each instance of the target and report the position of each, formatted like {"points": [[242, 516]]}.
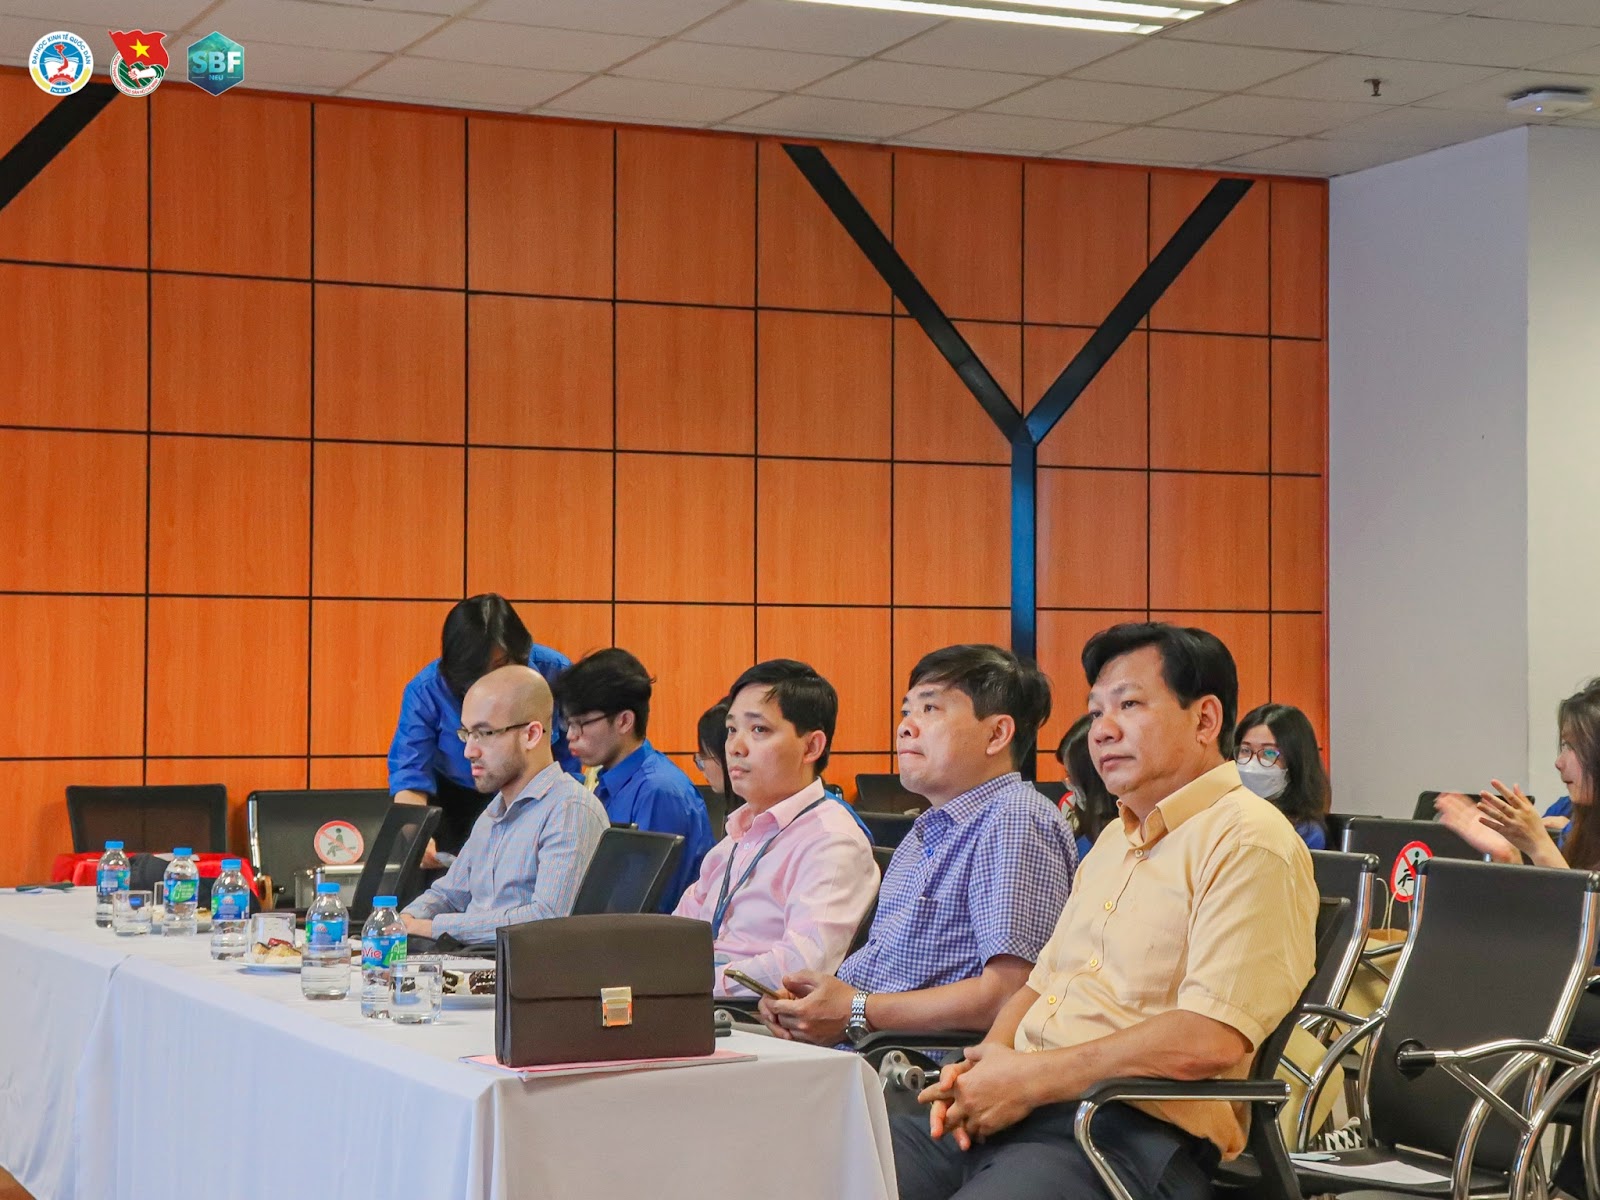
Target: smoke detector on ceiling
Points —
{"points": [[1550, 102]]}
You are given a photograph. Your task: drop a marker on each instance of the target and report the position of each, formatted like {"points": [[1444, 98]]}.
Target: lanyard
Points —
{"points": [[725, 897]]}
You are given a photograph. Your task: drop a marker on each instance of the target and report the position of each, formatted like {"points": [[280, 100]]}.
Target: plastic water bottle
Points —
{"points": [[230, 911], [383, 947], [181, 883], [325, 965], [110, 878]]}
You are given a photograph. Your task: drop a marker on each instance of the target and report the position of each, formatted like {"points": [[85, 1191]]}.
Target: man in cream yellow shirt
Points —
{"points": [[1188, 936]]}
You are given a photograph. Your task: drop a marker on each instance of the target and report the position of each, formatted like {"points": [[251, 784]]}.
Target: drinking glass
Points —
{"points": [[131, 913], [418, 993]]}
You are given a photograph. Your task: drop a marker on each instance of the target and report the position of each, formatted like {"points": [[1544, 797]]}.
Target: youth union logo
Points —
{"points": [[61, 63], [140, 63]]}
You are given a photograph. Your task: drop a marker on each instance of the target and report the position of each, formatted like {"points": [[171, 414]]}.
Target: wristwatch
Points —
{"points": [[857, 1029]]}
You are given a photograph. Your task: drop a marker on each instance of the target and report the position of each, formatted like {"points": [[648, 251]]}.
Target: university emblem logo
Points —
{"points": [[140, 63], [61, 63]]}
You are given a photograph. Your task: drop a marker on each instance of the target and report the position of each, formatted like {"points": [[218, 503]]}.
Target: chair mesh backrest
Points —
{"points": [[627, 872], [884, 793], [394, 860], [1351, 877], [1386, 839], [1497, 951], [284, 825], [154, 818]]}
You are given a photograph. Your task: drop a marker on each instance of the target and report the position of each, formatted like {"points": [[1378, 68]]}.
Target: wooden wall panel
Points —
{"points": [[539, 372], [702, 189], [1246, 636], [218, 346], [240, 776], [74, 511], [228, 677], [33, 797], [56, 375], [539, 207], [230, 516], [806, 258], [694, 652], [390, 195], [640, 381], [415, 391], [850, 648], [73, 212], [1062, 635], [253, 214], [822, 525]]}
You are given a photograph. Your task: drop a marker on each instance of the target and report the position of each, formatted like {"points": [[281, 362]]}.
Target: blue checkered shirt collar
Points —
{"points": [[968, 804]]}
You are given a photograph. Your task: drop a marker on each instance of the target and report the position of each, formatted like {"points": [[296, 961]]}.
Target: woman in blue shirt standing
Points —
{"points": [[427, 760], [1279, 761]]}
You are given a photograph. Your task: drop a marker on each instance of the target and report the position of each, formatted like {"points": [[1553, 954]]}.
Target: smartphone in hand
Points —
{"points": [[737, 976]]}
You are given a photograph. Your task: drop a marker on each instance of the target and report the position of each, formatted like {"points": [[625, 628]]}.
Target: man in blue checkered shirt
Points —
{"points": [[973, 892]]}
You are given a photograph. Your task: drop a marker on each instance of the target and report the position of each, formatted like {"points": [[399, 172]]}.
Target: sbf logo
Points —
{"points": [[216, 63]]}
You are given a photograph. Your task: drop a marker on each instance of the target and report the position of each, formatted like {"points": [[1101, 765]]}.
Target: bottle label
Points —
{"points": [[327, 933], [230, 906], [108, 880], [182, 891], [382, 951]]}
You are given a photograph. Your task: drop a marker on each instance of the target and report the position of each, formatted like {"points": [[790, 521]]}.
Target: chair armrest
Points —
{"points": [[1331, 1014], [1240, 1091], [907, 1039], [1386, 950]]}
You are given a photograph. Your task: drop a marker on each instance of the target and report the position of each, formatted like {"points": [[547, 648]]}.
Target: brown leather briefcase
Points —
{"points": [[594, 988]]}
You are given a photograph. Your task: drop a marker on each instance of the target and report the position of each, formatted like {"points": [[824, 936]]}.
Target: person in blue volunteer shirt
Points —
{"points": [[604, 699], [427, 762]]}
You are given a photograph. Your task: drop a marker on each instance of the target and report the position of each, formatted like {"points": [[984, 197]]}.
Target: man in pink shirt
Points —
{"points": [[786, 889]]}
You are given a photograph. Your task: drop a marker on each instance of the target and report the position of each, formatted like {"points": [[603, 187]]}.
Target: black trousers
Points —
{"points": [[1585, 1036], [462, 807], [1038, 1158]]}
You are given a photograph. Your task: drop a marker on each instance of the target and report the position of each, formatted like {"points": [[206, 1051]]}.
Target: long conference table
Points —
{"points": [[138, 1067]]}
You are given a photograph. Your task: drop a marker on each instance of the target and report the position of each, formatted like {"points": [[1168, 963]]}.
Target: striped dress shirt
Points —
{"points": [[523, 862]]}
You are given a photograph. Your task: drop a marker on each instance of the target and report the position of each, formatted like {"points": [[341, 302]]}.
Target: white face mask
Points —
{"points": [[1266, 782]]}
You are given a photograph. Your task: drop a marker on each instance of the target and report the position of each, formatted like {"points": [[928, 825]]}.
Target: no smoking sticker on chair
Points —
{"points": [[339, 844], [1403, 879]]}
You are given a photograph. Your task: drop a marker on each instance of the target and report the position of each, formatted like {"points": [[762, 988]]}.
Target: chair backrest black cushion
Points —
{"points": [[155, 818], [628, 871], [1424, 810], [1352, 877], [284, 826], [888, 829], [394, 860], [1386, 839], [884, 793], [1497, 951]]}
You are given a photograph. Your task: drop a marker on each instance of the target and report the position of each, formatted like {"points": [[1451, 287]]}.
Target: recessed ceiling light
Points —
{"points": [[1101, 16], [1550, 102]]}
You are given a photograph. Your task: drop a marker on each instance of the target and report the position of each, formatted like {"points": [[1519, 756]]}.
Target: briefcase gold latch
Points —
{"points": [[616, 1007]]}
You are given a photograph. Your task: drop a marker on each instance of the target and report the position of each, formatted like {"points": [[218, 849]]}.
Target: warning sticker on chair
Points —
{"points": [[1403, 879], [339, 844]]}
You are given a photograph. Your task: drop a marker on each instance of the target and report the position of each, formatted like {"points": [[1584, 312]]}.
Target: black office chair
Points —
{"points": [[283, 827], [1459, 1050], [1053, 790], [1353, 877], [884, 793], [888, 829], [1386, 839], [716, 809], [394, 859], [1336, 824], [1424, 811], [629, 869], [154, 818]]}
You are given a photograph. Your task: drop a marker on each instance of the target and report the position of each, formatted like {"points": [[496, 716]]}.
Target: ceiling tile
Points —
{"points": [[998, 46], [302, 66], [1196, 65], [645, 18], [1559, 12], [909, 83], [1267, 114], [1299, 25], [435, 101], [1584, 62], [1180, 147], [437, 81], [164, 15], [1448, 7], [1311, 156], [1487, 42], [448, 8], [820, 116], [1086, 100], [731, 66], [998, 133], [647, 99], [1490, 95], [528, 46], [1422, 127], [818, 28], [299, 23], [1344, 77]]}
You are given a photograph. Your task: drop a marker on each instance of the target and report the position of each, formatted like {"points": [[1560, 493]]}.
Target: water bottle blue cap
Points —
{"points": [[182, 851], [385, 901], [113, 845], [232, 864], [327, 889]]}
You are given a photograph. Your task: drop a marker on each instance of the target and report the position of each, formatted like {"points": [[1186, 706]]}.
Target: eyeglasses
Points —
{"points": [[483, 735], [576, 727], [1267, 756]]}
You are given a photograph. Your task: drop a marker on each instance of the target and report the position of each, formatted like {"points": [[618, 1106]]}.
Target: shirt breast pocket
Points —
{"points": [[1149, 955]]}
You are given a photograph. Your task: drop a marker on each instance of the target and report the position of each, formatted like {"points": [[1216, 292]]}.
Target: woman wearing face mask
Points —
{"points": [[1278, 761]]}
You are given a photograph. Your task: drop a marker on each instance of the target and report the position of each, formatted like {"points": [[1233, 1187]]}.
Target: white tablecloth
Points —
{"points": [[141, 1068]]}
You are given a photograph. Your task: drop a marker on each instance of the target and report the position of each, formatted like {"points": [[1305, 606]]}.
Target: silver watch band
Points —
{"points": [[858, 1010]]}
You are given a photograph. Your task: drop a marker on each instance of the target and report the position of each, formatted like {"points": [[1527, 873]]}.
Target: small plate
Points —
{"points": [[275, 964], [454, 1000]]}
